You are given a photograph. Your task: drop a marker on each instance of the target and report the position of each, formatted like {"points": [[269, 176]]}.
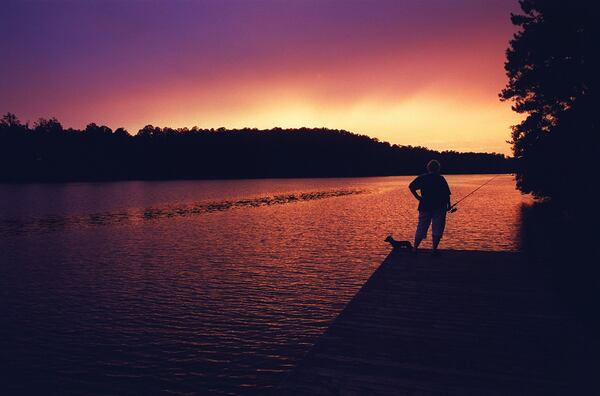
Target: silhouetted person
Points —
{"points": [[434, 202]]}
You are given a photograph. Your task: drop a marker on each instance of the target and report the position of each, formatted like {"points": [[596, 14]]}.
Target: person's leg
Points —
{"points": [[438, 223], [436, 241], [422, 227], [418, 241]]}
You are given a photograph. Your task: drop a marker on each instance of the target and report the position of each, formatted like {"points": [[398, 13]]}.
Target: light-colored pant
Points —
{"points": [[437, 219]]}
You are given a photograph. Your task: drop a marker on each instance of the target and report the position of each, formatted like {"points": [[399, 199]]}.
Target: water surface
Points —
{"points": [[201, 287]]}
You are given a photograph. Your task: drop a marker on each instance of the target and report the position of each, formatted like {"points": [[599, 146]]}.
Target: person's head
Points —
{"points": [[433, 166]]}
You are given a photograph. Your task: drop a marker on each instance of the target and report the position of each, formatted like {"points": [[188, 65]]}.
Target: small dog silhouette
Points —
{"points": [[401, 245]]}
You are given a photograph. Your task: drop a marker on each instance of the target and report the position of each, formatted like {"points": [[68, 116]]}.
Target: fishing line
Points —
{"points": [[453, 207]]}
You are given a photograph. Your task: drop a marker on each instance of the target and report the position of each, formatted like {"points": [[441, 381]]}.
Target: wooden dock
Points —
{"points": [[463, 323]]}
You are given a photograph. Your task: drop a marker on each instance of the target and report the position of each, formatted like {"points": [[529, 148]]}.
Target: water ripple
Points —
{"points": [[51, 223]]}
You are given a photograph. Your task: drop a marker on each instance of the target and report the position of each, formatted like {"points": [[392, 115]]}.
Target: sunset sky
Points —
{"points": [[418, 72]]}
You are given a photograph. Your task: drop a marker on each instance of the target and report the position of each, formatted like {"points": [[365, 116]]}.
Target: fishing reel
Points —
{"points": [[452, 209]]}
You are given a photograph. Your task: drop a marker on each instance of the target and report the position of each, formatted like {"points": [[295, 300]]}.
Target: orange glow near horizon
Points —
{"points": [[422, 120], [420, 73], [441, 115]]}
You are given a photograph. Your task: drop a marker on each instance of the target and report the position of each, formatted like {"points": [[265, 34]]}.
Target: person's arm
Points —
{"points": [[414, 192], [449, 205], [413, 187]]}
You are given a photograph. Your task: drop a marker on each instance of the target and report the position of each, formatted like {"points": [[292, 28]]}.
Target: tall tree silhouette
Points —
{"points": [[552, 68]]}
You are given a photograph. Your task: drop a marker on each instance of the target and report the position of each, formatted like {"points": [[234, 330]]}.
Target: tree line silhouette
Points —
{"points": [[49, 152]]}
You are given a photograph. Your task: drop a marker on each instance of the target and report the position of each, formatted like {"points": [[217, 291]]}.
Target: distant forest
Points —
{"points": [[47, 152]]}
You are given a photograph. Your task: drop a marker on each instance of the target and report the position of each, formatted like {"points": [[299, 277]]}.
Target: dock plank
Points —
{"points": [[467, 322]]}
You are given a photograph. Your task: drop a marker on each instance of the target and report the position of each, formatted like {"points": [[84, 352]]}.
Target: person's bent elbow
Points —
{"points": [[414, 193]]}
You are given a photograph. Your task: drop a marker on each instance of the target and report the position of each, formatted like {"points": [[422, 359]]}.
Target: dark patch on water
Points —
{"points": [[52, 223]]}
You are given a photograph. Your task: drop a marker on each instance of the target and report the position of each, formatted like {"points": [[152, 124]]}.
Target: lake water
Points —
{"points": [[201, 287]]}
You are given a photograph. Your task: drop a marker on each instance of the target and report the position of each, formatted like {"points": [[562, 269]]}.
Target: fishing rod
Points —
{"points": [[453, 207]]}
